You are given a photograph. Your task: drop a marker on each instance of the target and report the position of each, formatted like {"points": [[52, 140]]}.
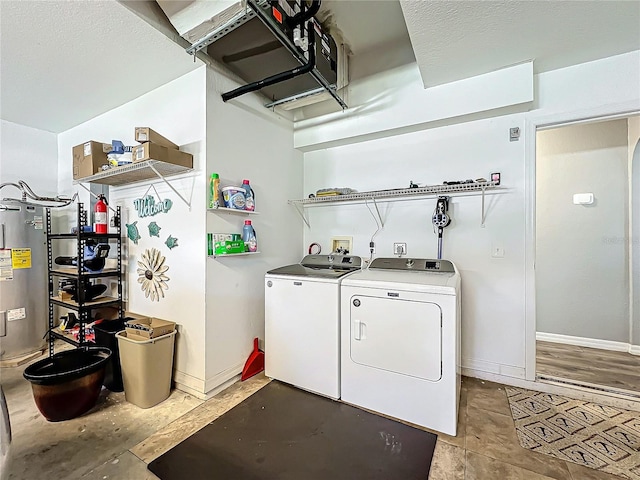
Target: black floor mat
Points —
{"points": [[282, 433]]}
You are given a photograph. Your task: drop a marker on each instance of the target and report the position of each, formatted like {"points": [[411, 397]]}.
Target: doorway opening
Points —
{"points": [[587, 254]]}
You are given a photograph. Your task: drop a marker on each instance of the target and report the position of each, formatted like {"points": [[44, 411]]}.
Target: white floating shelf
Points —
{"points": [[233, 210], [232, 254]]}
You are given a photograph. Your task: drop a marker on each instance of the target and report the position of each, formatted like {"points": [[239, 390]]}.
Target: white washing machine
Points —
{"points": [[400, 341], [302, 322]]}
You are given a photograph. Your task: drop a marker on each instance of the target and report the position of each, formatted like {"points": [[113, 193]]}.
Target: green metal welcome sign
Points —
{"points": [[147, 206]]}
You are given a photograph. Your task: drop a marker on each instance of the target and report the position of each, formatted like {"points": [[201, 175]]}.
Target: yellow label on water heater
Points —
{"points": [[21, 258]]}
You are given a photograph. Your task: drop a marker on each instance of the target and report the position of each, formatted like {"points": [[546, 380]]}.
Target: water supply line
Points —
{"points": [[28, 196]]}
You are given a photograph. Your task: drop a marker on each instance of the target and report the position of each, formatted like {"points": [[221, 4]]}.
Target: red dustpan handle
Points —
{"points": [[256, 345]]}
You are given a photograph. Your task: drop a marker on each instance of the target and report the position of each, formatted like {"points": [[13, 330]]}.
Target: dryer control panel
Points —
{"points": [[416, 264]]}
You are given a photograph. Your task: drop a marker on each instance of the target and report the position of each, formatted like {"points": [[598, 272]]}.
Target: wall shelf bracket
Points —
{"points": [[483, 217], [302, 212]]}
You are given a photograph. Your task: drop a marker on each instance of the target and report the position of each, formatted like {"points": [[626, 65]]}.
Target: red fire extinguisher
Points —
{"points": [[100, 215]]}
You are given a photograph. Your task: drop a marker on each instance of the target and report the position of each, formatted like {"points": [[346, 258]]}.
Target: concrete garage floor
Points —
{"points": [[71, 449], [116, 440]]}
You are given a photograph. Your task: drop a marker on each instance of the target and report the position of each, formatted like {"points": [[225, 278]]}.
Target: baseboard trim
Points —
{"points": [[471, 365], [190, 384], [571, 391], [184, 388], [588, 342], [222, 377]]}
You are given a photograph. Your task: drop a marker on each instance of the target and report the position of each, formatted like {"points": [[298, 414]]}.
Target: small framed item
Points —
{"points": [[495, 177], [341, 245]]}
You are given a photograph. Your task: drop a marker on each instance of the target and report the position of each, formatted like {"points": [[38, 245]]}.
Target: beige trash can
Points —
{"points": [[147, 367]]}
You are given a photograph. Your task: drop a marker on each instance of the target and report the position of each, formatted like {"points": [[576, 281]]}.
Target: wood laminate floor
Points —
{"points": [[591, 365]]}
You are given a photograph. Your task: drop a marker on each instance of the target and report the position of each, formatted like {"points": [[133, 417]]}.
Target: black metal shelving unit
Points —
{"points": [[76, 273]]}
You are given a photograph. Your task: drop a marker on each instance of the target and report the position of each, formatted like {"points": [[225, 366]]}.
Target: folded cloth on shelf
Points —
{"points": [[326, 192]]}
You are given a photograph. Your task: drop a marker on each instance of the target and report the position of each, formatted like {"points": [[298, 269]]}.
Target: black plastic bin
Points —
{"points": [[106, 337]]}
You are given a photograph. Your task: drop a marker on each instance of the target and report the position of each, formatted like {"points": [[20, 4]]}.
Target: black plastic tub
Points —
{"points": [[106, 337], [67, 384]]}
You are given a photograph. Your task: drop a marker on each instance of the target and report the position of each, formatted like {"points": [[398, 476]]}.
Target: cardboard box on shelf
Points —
{"points": [[149, 327], [145, 134], [152, 151], [88, 158], [134, 316], [64, 296]]}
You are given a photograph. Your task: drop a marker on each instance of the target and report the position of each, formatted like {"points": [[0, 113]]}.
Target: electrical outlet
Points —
{"points": [[497, 252], [399, 249]]}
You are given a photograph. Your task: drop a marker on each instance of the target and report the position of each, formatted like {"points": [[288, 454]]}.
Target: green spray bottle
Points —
{"points": [[214, 191]]}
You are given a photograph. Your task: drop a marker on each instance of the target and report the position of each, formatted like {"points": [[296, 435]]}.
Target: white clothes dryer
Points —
{"points": [[302, 322], [400, 341]]}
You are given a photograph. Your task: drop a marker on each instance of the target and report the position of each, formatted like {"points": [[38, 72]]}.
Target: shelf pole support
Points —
{"points": [[187, 203], [301, 212], [375, 204], [482, 219], [94, 195]]}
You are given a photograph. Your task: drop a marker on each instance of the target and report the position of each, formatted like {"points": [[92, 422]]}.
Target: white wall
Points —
{"points": [[245, 140], [396, 102], [28, 154], [582, 262], [634, 230], [177, 111], [495, 302]]}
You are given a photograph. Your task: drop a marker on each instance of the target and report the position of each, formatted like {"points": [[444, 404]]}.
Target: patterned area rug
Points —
{"points": [[596, 436]]}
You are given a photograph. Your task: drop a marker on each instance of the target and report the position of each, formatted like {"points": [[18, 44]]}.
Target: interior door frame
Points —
{"points": [[532, 125]]}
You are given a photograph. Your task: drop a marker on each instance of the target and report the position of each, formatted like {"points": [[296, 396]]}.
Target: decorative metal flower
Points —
{"points": [[151, 274]]}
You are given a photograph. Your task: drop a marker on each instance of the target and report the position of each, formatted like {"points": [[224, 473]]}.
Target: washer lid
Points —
{"points": [[321, 266]]}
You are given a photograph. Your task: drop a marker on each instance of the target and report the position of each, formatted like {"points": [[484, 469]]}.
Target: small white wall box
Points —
{"points": [[342, 243], [582, 198]]}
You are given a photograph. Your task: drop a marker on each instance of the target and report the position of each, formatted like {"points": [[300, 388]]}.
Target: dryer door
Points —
{"points": [[400, 336]]}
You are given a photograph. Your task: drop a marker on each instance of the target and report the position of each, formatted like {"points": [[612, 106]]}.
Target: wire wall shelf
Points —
{"points": [[135, 172], [396, 194], [138, 172]]}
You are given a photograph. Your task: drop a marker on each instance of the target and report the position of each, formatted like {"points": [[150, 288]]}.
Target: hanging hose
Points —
{"points": [[440, 220], [29, 197]]}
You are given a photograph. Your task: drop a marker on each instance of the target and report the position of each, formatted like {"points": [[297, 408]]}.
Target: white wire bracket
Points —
{"points": [[187, 202], [377, 219], [302, 212], [96, 196], [483, 215]]}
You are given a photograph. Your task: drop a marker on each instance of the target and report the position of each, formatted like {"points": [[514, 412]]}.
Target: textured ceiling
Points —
{"points": [[458, 39], [64, 62]]}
